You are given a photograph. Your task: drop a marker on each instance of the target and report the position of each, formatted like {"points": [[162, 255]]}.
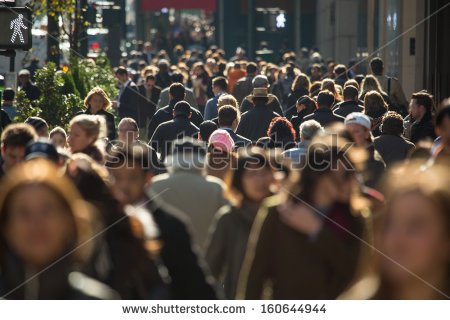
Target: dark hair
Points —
{"points": [[177, 77], [121, 71], [281, 131], [220, 82], [444, 112], [325, 99], [392, 123], [221, 66], [227, 114], [309, 103], [182, 107], [425, 99], [37, 123], [249, 158], [206, 129], [140, 154], [376, 65], [18, 135], [350, 92], [251, 68], [8, 94], [340, 70], [177, 91]]}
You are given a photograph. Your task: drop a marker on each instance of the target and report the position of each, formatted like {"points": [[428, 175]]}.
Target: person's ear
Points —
{"points": [[234, 124], [190, 115], [2, 150]]}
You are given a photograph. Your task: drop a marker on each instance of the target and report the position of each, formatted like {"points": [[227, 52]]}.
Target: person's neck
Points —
{"points": [[426, 288], [95, 110]]}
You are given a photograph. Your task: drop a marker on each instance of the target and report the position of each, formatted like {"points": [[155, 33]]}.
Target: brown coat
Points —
{"points": [[295, 265]]}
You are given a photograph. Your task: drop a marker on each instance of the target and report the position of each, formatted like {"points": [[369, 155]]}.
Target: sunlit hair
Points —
{"points": [[227, 99], [370, 83], [328, 84], [98, 91], [41, 172], [58, 130], [94, 126], [301, 82]]}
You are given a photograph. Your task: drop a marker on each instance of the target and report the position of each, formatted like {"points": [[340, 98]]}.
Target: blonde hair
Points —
{"points": [[301, 81], [370, 83], [227, 99], [94, 126], [58, 130], [99, 91]]}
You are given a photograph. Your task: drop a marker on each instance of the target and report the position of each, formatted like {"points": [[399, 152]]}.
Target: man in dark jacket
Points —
{"points": [[148, 100], [133, 169], [274, 104], [350, 103], [420, 109], [254, 123], [25, 84], [243, 86], [179, 127], [391, 144], [323, 114], [228, 120], [177, 93], [128, 99]]}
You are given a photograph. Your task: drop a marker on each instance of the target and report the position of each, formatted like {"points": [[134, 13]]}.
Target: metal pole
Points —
{"points": [[12, 61], [297, 26]]}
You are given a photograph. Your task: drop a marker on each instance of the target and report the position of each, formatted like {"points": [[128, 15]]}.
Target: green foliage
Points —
{"points": [[25, 107], [56, 108], [88, 74]]}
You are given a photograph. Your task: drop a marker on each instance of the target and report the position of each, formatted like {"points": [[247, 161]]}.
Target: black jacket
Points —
{"points": [[297, 121], [243, 88], [344, 108], [110, 121], [239, 141], [392, 148], [147, 107], [128, 102], [189, 278], [166, 114], [324, 116], [274, 105], [5, 120], [168, 131], [423, 129], [32, 91], [255, 122]]}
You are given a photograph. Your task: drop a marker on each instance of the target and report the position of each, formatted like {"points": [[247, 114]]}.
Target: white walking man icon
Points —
{"points": [[17, 24]]}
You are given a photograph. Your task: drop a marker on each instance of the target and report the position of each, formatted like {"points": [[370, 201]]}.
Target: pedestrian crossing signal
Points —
{"points": [[15, 26]]}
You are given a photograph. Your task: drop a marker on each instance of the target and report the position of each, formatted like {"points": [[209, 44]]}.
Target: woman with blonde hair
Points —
{"points": [[97, 102], [85, 134], [300, 87], [227, 99], [328, 84], [411, 257], [370, 83], [46, 229]]}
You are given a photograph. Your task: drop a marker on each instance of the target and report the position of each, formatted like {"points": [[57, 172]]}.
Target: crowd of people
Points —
{"points": [[216, 178]]}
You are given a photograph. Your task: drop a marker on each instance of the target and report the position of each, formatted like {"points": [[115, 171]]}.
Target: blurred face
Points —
{"points": [[129, 183], [415, 237], [40, 227], [127, 133], [415, 110], [444, 132], [256, 183], [96, 102], [24, 79], [150, 83], [122, 78], [12, 156], [300, 107], [78, 139], [58, 140], [359, 134]]}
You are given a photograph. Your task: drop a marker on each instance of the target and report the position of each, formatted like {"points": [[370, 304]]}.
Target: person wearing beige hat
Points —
{"points": [[254, 123], [261, 81]]}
